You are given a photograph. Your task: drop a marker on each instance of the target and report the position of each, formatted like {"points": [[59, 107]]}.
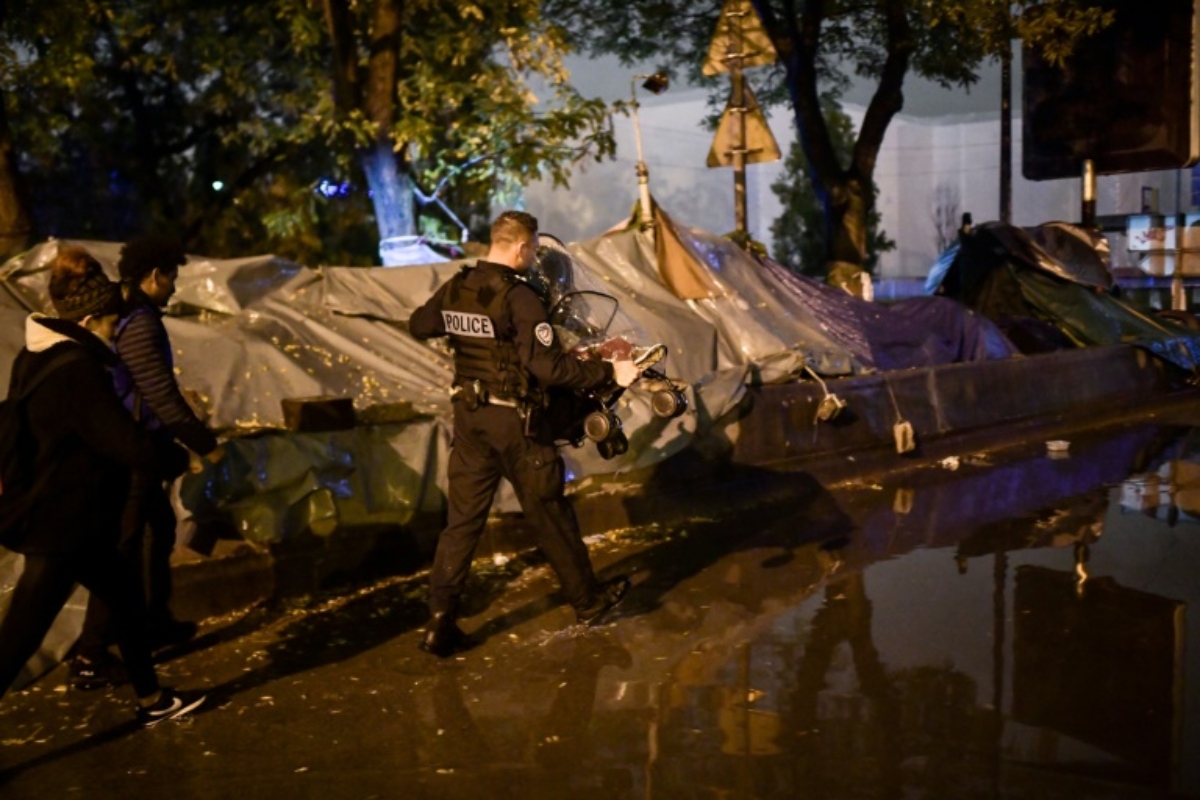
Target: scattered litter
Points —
{"points": [[949, 462], [30, 738]]}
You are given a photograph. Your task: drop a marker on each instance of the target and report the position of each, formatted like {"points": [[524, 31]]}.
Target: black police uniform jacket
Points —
{"points": [[501, 337]]}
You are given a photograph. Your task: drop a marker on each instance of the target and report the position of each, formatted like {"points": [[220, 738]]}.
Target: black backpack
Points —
{"points": [[19, 480]]}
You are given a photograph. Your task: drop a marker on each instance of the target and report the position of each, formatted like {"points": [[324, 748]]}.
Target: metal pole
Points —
{"points": [[739, 153], [1006, 135], [1088, 210], [1179, 301], [735, 57], [1178, 295], [643, 172]]}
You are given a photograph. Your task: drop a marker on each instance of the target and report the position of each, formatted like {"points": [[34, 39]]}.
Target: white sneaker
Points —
{"points": [[170, 705]]}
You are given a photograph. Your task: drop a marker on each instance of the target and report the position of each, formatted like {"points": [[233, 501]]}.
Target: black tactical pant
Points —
{"points": [[147, 540], [490, 443], [44, 588]]}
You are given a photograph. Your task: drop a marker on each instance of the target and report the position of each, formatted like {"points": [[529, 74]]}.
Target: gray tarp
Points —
{"points": [[249, 333]]}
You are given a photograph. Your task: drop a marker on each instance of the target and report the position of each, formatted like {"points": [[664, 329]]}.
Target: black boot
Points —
{"points": [[606, 599], [443, 637]]}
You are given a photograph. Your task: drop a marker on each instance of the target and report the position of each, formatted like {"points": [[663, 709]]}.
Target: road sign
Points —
{"points": [[739, 32], [760, 144]]}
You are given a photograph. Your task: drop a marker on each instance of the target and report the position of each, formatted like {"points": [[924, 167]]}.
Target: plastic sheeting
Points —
{"points": [[1024, 287], [269, 486], [1082, 252], [249, 333], [917, 332]]}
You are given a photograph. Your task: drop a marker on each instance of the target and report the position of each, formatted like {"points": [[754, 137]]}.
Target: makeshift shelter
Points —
{"points": [[1051, 289], [251, 333]]}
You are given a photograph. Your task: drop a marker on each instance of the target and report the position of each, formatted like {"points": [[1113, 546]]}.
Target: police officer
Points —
{"points": [[505, 357]]}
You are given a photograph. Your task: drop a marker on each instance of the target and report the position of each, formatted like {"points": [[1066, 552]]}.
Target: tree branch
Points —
{"points": [[347, 77], [889, 94], [382, 66]]}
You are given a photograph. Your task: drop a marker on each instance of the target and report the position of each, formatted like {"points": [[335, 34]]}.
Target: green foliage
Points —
{"points": [[818, 42], [488, 103], [127, 113], [951, 38], [799, 232]]}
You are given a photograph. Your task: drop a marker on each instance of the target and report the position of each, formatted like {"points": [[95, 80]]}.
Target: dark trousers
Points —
{"points": [[147, 539], [44, 588], [490, 443]]}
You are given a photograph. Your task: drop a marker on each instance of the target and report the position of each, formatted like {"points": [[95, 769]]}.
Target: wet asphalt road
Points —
{"points": [[1007, 625]]}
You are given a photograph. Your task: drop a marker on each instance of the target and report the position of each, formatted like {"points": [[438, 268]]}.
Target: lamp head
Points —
{"points": [[656, 83]]}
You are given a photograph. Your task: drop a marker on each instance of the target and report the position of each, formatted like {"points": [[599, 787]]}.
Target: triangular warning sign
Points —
{"points": [[760, 143], [739, 31]]}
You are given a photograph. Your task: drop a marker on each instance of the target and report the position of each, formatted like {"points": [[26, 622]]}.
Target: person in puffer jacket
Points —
{"points": [[145, 381]]}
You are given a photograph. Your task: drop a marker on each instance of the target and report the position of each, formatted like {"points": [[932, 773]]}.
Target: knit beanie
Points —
{"points": [[79, 288]]}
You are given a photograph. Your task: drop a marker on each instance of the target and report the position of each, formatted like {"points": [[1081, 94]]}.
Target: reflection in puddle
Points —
{"points": [[1008, 629]]}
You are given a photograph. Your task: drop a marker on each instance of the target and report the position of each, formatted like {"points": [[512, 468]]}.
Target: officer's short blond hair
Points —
{"points": [[514, 227]]}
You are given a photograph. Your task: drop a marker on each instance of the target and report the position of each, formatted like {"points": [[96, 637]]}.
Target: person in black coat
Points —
{"points": [[86, 446]]}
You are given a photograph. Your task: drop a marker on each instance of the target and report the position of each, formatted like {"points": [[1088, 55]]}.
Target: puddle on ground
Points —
{"points": [[1017, 627]]}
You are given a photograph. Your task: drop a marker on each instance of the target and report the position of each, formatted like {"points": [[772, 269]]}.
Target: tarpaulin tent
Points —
{"points": [[917, 332], [252, 332], [249, 333], [1048, 290]]}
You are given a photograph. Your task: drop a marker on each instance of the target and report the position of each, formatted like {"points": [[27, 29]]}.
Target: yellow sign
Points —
{"points": [[760, 143], [739, 32]]}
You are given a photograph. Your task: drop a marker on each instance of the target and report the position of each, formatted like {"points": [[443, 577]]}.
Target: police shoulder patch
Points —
{"points": [[544, 333]]}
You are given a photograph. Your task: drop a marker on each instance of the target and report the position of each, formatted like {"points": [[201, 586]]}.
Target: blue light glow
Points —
{"points": [[327, 188]]}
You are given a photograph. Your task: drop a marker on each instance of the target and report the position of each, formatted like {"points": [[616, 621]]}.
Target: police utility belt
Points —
{"points": [[474, 394]]}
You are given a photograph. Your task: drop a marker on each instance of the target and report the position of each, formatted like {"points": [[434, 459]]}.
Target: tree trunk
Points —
{"points": [[387, 173], [846, 234], [371, 90], [15, 227], [842, 192], [391, 191]]}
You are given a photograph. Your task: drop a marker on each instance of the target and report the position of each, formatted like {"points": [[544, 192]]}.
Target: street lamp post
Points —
{"points": [[655, 84]]}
